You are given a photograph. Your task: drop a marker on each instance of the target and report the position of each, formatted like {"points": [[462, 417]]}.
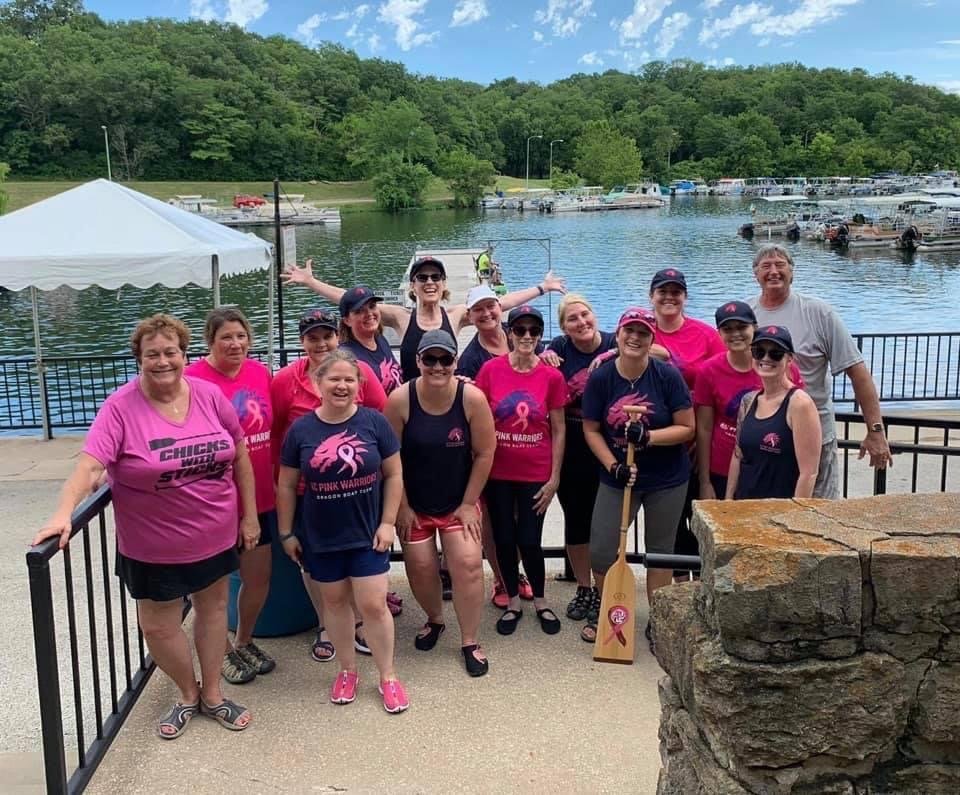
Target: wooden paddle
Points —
{"points": [[616, 630]]}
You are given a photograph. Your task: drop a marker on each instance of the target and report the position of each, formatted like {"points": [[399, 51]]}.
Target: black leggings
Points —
{"points": [[515, 525]]}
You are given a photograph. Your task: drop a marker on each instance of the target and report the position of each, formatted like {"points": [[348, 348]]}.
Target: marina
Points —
{"points": [[254, 211]]}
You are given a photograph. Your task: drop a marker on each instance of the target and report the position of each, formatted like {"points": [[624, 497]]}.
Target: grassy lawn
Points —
{"points": [[349, 195]]}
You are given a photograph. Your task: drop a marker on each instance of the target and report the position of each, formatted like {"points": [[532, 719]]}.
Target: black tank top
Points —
{"points": [[768, 467], [411, 339], [437, 456]]}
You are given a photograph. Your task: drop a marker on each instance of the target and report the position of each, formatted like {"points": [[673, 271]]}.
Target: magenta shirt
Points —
{"points": [[690, 346], [521, 405], [174, 499], [249, 393]]}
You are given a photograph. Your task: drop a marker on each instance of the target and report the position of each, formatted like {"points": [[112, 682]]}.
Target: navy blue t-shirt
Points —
{"points": [[381, 361], [340, 464], [474, 356], [662, 390]]}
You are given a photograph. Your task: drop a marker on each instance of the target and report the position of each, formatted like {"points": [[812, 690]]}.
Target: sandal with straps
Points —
{"points": [[589, 632], [475, 666], [177, 719], [428, 636], [227, 713], [322, 650]]}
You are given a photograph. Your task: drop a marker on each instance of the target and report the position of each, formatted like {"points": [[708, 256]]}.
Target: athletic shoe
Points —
{"points": [[526, 589], [236, 670], [394, 696], [499, 597], [256, 658], [446, 585], [593, 614], [344, 688], [579, 606]]}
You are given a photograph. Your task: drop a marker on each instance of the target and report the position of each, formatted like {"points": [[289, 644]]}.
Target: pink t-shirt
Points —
{"points": [[249, 393], [521, 405], [722, 387], [690, 346], [174, 498]]}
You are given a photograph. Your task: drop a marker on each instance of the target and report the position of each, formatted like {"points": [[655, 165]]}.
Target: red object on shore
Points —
{"points": [[247, 200]]}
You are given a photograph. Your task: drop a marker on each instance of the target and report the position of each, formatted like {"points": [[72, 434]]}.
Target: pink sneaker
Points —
{"points": [[500, 598], [394, 696], [526, 589], [344, 688]]}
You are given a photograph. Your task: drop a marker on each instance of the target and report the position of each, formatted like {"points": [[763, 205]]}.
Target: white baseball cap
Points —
{"points": [[480, 293]]}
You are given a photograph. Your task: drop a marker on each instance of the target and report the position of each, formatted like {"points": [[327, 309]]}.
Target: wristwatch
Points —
{"points": [[877, 427], [282, 537]]}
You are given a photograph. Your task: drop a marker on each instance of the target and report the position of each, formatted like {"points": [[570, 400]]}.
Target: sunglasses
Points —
{"points": [[774, 354], [429, 360], [429, 277], [526, 331]]}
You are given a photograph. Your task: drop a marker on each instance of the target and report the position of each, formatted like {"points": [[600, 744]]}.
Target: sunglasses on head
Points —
{"points": [[431, 360], [526, 331], [429, 277], [774, 354]]}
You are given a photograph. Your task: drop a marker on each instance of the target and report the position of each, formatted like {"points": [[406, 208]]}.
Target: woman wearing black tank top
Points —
{"points": [[428, 288], [778, 428], [447, 445]]}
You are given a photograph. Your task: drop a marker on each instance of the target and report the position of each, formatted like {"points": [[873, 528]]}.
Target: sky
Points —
{"points": [[545, 40]]}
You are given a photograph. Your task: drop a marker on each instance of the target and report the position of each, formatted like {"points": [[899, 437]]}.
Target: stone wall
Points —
{"points": [[820, 653]]}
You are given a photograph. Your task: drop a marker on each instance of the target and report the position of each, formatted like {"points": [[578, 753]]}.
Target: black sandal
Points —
{"points": [[549, 622], [507, 623], [475, 666], [425, 642]]}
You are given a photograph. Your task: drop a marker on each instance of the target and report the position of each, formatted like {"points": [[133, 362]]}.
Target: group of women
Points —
{"points": [[342, 450]]}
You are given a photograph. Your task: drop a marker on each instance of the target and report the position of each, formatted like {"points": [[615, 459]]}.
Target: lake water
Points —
{"points": [[610, 257]]}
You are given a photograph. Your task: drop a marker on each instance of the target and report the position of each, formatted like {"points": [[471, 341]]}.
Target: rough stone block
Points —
{"points": [[934, 727], [929, 779]]}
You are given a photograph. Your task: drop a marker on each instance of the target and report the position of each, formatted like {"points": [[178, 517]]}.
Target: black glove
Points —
{"points": [[638, 433], [620, 474]]}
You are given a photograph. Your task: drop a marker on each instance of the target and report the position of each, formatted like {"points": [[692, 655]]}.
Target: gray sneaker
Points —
{"points": [[256, 658], [236, 670]]}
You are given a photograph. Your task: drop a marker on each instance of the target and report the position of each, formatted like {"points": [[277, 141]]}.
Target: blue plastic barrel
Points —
{"points": [[288, 609]]}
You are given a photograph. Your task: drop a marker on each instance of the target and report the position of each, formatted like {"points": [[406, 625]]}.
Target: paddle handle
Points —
{"points": [[625, 511]]}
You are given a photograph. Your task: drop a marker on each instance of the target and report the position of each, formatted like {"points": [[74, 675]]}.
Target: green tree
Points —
{"points": [[4, 198], [30, 18], [399, 184], [564, 180], [607, 157], [467, 175]]}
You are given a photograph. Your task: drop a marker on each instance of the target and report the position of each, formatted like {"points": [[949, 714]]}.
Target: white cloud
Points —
{"points": [[469, 11], [949, 41], [203, 10], [307, 30], [721, 27], [671, 30], [512, 26], [809, 14], [728, 61], [950, 86], [242, 12], [353, 32], [340, 16], [361, 11], [709, 5], [537, 35], [400, 14], [564, 16], [373, 42], [590, 59], [634, 27]]}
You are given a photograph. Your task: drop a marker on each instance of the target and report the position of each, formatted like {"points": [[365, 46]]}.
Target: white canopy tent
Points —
{"points": [[105, 234]]}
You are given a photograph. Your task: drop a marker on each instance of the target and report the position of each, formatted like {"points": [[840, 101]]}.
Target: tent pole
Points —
{"points": [[215, 277], [41, 377]]}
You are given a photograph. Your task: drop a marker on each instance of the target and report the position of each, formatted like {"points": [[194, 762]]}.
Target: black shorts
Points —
{"points": [[163, 582], [268, 527]]}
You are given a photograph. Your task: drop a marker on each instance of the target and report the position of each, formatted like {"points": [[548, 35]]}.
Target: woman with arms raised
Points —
{"points": [[175, 458]]}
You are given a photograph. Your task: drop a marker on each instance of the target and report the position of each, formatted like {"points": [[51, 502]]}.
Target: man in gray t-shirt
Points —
{"points": [[823, 348]]}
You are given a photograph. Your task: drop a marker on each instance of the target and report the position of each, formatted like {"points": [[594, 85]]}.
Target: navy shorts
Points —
{"points": [[336, 566], [268, 527]]}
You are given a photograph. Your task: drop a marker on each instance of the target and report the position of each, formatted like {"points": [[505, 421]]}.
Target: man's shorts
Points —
{"points": [[424, 526], [337, 566]]}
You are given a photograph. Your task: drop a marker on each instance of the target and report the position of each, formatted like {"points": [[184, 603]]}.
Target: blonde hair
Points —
{"points": [[571, 298], [339, 355], [160, 323]]}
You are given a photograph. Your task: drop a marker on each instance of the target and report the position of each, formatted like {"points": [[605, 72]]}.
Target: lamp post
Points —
{"points": [[527, 185], [106, 146], [554, 141]]}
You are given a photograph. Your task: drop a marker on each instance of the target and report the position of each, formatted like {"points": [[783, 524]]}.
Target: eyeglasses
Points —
{"points": [[774, 354], [526, 331], [429, 360], [429, 277]]}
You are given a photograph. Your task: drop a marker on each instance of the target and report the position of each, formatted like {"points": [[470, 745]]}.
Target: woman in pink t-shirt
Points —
{"points": [[527, 398], [175, 457], [245, 383]]}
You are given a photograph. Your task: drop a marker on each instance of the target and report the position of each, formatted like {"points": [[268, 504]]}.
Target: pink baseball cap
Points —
{"points": [[637, 314]]}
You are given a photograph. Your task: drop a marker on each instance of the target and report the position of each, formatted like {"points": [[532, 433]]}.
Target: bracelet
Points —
{"points": [[540, 289], [282, 537]]}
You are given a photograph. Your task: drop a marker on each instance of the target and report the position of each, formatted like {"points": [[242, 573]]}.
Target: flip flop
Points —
{"points": [[228, 714], [177, 718]]}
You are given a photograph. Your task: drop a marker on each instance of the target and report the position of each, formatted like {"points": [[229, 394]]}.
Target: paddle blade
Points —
{"points": [[616, 627]]}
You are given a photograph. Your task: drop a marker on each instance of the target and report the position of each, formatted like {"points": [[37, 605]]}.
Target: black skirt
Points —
{"points": [[162, 582]]}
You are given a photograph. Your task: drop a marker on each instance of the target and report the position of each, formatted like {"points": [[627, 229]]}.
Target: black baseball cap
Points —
{"points": [[317, 318], [423, 262], [356, 297], [779, 335], [668, 276], [437, 338], [524, 311], [735, 310]]}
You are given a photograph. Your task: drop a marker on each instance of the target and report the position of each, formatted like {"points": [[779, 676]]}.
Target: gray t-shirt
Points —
{"points": [[819, 338]]}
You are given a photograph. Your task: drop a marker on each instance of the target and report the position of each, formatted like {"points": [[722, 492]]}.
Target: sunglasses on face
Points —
{"points": [[526, 331], [774, 354], [444, 360], [429, 277]]}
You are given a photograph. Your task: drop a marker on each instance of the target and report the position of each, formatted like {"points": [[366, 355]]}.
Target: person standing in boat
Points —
{"points": [[428, 287]]}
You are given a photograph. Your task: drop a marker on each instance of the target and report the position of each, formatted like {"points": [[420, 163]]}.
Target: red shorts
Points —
{"points": [[425, 526]]}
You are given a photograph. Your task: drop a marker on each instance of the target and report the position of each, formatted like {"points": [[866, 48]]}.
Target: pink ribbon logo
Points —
{"points": [[347, 454], [523, 411], [255, 413], [618, 616]]}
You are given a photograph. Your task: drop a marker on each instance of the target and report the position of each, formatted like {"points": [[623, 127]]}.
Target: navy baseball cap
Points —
{"points": [[668, 276], [524, 311], [779, 335], [437, 338], [735, 310], [317, 318], [356, 297], [423, 262]]}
